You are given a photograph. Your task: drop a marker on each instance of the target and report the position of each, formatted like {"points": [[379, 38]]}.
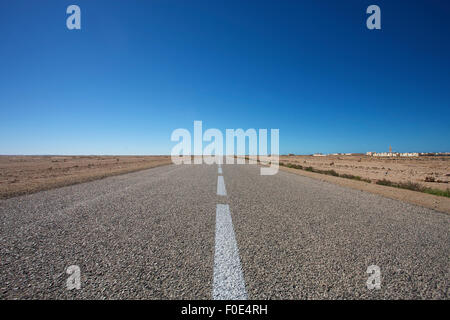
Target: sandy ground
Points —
{"points": [[394, 169], [28, 174], [426, 200]]}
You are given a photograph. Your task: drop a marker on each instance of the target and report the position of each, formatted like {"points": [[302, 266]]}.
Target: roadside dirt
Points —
{"points": [[437, 203], [401, 169], [28, 174]]}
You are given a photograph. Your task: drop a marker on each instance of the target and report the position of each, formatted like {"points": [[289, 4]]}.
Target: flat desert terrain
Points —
{"points": [[28, 174], [421, 170]]}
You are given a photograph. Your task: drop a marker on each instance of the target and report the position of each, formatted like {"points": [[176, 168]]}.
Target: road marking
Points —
{"points": [[221, 191], [220, 170], [229, 281]]}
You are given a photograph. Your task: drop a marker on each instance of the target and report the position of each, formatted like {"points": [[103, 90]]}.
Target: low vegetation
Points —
{"points": [[327, 172], [415, 187], [403, 185]]}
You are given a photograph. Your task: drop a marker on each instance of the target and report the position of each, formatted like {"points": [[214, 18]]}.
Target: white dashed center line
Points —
{"points": [[221, 191], [220, 170], [229, 281]]}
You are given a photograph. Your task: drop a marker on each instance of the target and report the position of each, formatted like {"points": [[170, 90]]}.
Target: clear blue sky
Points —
{"points": [[137, 70]]}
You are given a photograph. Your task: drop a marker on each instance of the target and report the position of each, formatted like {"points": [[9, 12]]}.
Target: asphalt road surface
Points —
{"points": [[204, 232]]}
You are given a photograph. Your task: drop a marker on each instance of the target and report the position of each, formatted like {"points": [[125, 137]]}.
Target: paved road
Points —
{"points": [[181, 232]]}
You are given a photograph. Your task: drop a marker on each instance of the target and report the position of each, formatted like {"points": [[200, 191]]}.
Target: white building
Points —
{"points": [[409, 154]]}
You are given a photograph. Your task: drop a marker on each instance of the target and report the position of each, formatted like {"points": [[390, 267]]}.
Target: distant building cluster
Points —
{"points": [[385, 154], [435, 154], [392, 154], [406, 154]]}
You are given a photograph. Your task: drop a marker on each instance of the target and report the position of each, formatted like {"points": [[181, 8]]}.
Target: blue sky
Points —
{"points": [[137, 70]]}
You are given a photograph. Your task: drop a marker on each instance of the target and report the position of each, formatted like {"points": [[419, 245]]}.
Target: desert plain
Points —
{"points": [[28, 174], [430, 171]]}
